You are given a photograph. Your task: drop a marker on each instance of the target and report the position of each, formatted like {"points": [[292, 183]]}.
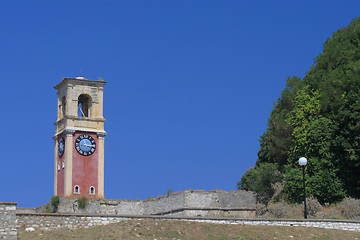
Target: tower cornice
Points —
{"points": [[89, 119], [71, 130], [80, 81]]}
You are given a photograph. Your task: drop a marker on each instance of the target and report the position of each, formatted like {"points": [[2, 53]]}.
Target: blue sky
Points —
{"points": [[190, 86]]}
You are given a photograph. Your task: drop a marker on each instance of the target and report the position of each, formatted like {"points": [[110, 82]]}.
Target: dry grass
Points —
{"points": [[347, 209], [165, 229]]}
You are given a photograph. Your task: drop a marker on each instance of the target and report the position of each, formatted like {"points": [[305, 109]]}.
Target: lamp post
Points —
{"points": [[303, 162]]}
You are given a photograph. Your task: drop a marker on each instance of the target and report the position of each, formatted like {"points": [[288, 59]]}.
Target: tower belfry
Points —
{"points": [[79, 138]]}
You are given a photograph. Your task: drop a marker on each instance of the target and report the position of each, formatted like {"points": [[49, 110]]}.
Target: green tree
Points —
{"points": [[260, 180], [312, 138], [346, 143], [318, 118], [276, 141]]}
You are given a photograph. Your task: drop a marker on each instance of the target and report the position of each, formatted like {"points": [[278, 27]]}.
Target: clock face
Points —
{"points": [[61, 147], [85, 145]]}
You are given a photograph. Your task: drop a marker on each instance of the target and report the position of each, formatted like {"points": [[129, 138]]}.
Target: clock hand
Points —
{"points": [[88, 145]]}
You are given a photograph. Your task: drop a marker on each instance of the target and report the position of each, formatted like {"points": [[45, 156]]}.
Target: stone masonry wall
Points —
{"points": [[165, 204], [74, 221], [189, 203], [49, 221], [8, 222], [100, 206], [184, 203]]}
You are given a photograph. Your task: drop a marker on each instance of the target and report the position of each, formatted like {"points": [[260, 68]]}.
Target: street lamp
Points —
{"points": [[303, 162]]}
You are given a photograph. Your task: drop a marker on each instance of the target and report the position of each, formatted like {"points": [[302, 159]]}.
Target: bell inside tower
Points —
{"points": [[84, 104]]}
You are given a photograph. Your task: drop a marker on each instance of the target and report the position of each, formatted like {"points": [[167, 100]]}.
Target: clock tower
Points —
{"points": [[79, 138]]}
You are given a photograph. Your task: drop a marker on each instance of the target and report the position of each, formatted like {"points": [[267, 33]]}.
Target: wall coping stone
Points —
{"points": [[9, 203], [217, 190], [190, 191]]}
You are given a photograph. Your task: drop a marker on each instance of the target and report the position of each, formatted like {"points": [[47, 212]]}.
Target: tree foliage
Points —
{"points": [[260, 180], [276, 141], [318, 118]]}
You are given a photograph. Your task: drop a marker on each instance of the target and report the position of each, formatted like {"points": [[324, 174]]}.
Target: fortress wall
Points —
{"points": [[217, 199], [106, 208], [237, 200], [8, 222], [220, 203], [202, 200], [52, 221], [127, 208], [101, 206], [184, 203], [165, 204], [25, 210], [201, 203], [12, 221]]}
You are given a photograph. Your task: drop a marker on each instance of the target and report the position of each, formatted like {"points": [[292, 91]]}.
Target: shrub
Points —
{"points": [[260, 179], [55, 200], [169, 191], [350, 208], [82, 202], [48, 209], [279, 210], [312, 206], [51, 206], [330, 212]]}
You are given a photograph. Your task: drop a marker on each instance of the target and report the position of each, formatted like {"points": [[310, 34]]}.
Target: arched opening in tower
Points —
{"points": [[84, 104]]}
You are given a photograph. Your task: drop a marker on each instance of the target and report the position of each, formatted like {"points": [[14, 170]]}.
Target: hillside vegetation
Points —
{"points": [[317, 117]]}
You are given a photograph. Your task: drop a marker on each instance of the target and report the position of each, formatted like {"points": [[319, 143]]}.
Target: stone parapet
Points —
{"points": [[8, 221]]}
